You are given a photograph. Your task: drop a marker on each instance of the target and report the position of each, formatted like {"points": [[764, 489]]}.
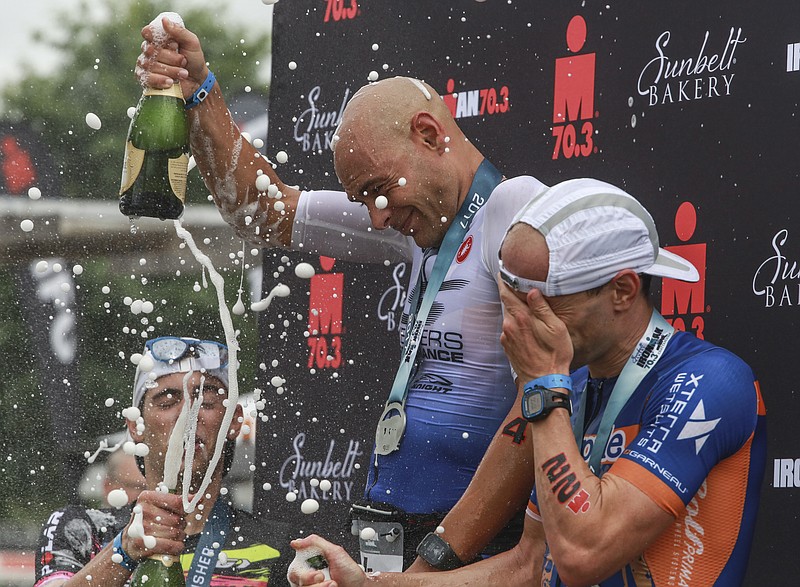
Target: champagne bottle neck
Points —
{"points": [[174, 91], [165, 559]]}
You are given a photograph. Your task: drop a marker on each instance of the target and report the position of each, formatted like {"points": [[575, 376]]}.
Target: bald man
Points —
{"points": [[415, 190]]}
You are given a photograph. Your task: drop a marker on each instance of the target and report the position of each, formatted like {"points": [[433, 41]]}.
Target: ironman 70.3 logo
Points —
{"points": [[573, 97]]}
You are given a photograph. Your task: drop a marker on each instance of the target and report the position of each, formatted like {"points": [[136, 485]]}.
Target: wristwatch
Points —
{"points": [[539, 399], [435, 551]]}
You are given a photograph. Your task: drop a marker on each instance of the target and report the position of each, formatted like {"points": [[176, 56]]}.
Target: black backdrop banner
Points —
{"points": [[691, 107]]}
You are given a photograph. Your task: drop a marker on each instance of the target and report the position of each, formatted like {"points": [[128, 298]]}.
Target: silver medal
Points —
{"points": [[391, 426]]}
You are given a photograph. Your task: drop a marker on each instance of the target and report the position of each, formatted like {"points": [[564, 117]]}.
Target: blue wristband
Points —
{"points": [[127, 562], [552, 382], [202, 92]]}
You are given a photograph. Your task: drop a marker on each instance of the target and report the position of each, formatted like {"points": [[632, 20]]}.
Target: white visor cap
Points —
{"points": [[594, 230]]}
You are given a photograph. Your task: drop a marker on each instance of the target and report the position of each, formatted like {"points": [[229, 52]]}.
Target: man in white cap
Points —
{"points": [[662, 486], [216, 543]]}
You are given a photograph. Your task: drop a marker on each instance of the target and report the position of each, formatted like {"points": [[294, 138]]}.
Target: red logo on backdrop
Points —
{"points": [[18, 171], [336, 10], [683, 304], [464, 249], [573, 97], [325, 317], [466, 103]]}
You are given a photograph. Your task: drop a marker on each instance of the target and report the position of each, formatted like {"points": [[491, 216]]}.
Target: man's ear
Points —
{"points": [[427, 129], [236, 424], [625, 288], [132, 431]]}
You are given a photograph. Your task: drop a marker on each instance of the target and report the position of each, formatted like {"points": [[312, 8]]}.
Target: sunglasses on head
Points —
{"points": [[519, 284], [172, 348]]}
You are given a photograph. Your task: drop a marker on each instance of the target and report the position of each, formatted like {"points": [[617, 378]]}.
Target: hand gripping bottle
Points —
{"points": [[157, 150], [158, 570], [307, 559]]}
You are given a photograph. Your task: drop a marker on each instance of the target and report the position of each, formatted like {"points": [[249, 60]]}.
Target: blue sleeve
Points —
{"points": [[697, 414]]}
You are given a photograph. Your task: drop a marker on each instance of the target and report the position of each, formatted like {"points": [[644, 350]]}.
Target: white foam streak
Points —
{"points": [[233, 362], [191, 430], [281, 291], [172, 460], [421, 87]]}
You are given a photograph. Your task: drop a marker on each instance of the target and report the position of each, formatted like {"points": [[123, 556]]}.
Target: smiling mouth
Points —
{"points": [[405, 228]]}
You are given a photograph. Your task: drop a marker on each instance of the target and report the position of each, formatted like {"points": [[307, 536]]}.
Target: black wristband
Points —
{"points": [[435, 551]]}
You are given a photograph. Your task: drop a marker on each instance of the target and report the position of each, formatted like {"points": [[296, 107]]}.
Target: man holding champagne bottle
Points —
{"points": [[155, 541], [415, 190]]}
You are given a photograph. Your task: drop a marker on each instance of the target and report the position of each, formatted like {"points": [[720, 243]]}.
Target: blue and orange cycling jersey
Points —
{"points": [[692, 437]]}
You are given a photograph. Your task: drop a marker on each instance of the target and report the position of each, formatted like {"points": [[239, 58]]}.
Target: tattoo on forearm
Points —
{"points": [[516, 430], [565, 484]]}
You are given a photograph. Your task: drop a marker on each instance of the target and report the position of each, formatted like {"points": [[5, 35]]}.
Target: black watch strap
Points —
{"points": [[435, 551]]}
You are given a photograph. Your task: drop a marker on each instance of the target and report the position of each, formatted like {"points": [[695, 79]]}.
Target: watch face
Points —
{"points": [[533, 402], [437, 551]]}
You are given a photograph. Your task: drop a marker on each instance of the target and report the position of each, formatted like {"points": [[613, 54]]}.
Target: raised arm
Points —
{"points": [[593, 526], [227, 162]]}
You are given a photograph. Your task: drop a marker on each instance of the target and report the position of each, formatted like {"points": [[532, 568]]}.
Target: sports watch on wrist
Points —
{"points": [[435, 551], [539, 399]]}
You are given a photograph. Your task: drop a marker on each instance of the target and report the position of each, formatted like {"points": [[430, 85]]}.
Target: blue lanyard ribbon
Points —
{"points": [[212, 539], [487, 177], [648, 351]]}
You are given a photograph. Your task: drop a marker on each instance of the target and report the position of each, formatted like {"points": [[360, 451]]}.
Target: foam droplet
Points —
{"points": [[304, 270], [281, 157], [325, 485], [309, 506], [238, 307], [368, 533], [146, 363], [117, 498], [26, 225], [93, 121], [373, 76], [131, 413], [34, 193], [381, 202]]}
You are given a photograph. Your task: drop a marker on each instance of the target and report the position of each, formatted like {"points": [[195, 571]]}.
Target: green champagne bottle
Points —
{"points": [[156, 156], [159, 571]]}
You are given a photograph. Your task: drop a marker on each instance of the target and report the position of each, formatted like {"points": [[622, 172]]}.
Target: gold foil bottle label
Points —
{"points": [[132, 166], [178, 169]]}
